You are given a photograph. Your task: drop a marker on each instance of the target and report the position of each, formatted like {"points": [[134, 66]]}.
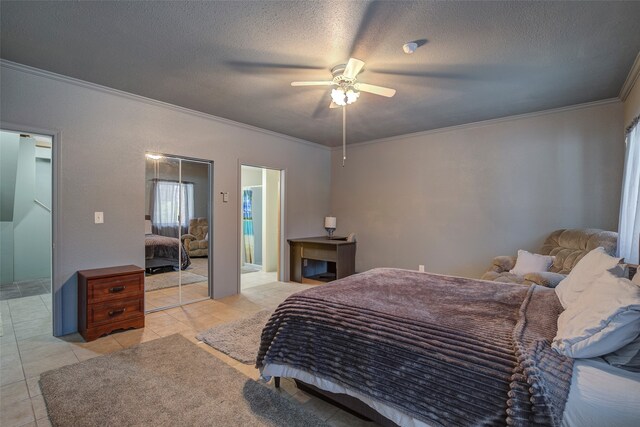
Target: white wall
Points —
{"points": [[632, 104], [453, 199], [251, 176], [6, 252], [102, 141], [270, 206], [9, 148], [31, 222]]}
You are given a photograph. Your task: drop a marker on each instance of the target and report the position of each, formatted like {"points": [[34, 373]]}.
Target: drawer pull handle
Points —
{"points": [[116, 312], [117, 289]]}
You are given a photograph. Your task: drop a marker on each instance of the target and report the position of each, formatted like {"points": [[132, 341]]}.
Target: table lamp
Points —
{"points": [[330, 225]]}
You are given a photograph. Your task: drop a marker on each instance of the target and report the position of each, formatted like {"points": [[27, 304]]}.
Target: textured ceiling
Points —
{"points": [[482, 60]]}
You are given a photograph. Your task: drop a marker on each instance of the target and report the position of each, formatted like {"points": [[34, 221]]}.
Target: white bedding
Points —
{"points": [[600, 395]]}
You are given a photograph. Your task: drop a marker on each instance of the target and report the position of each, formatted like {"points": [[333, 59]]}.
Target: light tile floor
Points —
{"points": [[167, 297], [27, 348], [162, 298], [257, 278]]}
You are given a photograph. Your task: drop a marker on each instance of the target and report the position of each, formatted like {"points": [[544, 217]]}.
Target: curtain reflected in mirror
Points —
{"points": [[176, 231]]}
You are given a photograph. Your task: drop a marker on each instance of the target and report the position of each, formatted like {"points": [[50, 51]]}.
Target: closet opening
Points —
{"points": [[178, 239], [260, 231]]}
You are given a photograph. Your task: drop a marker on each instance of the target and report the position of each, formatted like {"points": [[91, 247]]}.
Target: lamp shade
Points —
{"points": [[329, 222]]}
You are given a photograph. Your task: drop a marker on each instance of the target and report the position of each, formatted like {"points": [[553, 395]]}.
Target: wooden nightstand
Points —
{"points": [[110, 299], [320, 259]]}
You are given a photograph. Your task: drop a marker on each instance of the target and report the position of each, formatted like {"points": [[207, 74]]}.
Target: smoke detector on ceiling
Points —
{"points": [[409, 48]]}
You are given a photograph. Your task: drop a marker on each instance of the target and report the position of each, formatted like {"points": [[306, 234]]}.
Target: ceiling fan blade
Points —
{"points": [[265, 66], [377, 90], [333, 105], [321, 111], [354, 66], [377, 20], [316, 83], [434, 74]]}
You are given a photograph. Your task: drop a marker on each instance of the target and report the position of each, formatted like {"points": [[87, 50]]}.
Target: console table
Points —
{"points": [[320, 259]]}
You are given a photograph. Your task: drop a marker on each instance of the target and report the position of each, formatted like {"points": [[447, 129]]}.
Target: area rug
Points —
{"points": [[239, 339], [165, 382], [170, 279]]}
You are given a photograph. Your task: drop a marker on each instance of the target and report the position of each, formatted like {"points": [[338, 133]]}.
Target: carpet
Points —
{"points": [[170, 280], [239, 339], [165, 382]]}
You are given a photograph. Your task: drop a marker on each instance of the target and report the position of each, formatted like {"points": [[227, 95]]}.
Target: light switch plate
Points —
{"points": [[99, 217], [225, 196]]}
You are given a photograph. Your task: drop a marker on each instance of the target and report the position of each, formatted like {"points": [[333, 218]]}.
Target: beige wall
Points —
{"points": [[454, 199], [632, 104], [251, 176], [103, 137], [270, 217]]}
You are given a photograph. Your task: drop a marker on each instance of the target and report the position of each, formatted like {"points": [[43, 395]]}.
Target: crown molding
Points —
{"points": [[483, 123], [631, 80], [150, 101]]}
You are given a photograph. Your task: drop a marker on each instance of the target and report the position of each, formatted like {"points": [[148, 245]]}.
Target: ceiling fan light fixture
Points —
{"points": [[338, 96], [352, 96], [342, 97]]}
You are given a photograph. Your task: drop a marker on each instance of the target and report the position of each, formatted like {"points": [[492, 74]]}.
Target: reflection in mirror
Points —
{"points": [[176, 231]]}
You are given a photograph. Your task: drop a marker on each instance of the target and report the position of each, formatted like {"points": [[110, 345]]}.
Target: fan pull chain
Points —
{"points": [[344, 134]]}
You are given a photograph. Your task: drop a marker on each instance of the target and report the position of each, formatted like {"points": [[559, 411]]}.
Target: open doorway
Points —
{"points": [[25, 232], [260, 230]]}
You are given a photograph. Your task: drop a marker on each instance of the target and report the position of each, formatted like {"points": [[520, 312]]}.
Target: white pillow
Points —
{"points": [[605, 318], [628, 357], [636, 278], [583, 274], [531, 263], [147, 227]]}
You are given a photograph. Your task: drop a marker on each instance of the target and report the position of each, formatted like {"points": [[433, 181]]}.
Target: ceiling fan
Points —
{"points": [[347, 91], [348, 88]]}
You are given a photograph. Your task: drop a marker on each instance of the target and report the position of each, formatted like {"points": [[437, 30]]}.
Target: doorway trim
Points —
{"points": [[283, 261], [56, 240]]}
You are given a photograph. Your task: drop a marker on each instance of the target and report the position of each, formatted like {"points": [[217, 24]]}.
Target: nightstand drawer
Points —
{"points": [[115, 311], [111, 288], [318, 252]]}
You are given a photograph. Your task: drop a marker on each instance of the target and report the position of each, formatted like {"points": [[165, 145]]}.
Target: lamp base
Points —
{"points": [[330, 232]]}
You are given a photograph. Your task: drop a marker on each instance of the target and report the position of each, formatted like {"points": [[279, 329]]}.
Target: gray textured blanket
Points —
{"points": [[167, 248], [444, 350]]}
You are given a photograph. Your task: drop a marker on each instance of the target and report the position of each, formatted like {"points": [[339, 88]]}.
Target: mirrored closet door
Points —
{"points": [[177, 241]]}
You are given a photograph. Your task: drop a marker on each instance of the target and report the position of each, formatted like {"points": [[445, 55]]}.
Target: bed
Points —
{"points": [[162, 252], [420, 349]]}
